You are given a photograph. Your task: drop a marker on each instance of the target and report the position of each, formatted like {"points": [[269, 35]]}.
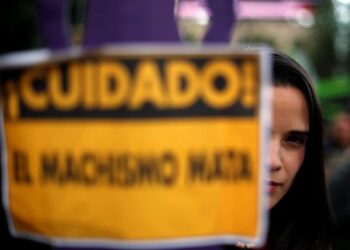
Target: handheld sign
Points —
{"points": [[135, 147]]}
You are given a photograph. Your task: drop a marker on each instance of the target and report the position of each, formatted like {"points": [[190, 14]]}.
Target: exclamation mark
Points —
{"points": [[249, 99], [12, 105]]}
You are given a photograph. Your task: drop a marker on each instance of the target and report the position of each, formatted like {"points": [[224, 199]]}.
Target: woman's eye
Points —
{"points": [[296, 140]]}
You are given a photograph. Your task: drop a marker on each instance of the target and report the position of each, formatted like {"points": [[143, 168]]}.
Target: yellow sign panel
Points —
{"points": [[135, 149]]}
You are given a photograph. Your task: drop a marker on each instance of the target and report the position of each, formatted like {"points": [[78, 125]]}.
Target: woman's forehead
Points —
{"points": [[289, 108]]}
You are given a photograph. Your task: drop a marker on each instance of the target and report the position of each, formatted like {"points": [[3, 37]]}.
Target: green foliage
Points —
{"points": [[334, 94], [321, 47]]}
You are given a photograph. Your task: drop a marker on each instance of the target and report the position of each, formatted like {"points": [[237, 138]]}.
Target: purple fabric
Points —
{"points": [[121, 21], [53, 23], [222, 20]]}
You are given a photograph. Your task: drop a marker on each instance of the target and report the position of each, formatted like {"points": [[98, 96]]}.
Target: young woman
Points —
{"points": [[300, 217], [299, 209]]}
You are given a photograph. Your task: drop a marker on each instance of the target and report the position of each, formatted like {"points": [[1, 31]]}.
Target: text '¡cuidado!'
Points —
{"points": [[125, 87], [131, 170]]}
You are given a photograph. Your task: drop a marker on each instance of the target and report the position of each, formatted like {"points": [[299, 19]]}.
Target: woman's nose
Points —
{"points": [[275, 155]]}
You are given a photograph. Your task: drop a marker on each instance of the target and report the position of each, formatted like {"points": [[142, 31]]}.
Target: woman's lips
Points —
{"points": [[273, 186]]}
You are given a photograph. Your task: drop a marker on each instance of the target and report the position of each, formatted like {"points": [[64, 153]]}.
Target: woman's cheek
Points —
{"points": [[293, 160]]}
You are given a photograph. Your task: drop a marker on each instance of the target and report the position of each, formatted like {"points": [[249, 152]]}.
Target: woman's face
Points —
{"points": [[289, 132]]}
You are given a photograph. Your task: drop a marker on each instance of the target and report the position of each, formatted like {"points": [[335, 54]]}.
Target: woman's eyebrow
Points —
{"points": [[299, 132]]}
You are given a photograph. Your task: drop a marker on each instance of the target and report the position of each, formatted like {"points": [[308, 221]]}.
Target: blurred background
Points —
{"points": [[316, 33]]}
